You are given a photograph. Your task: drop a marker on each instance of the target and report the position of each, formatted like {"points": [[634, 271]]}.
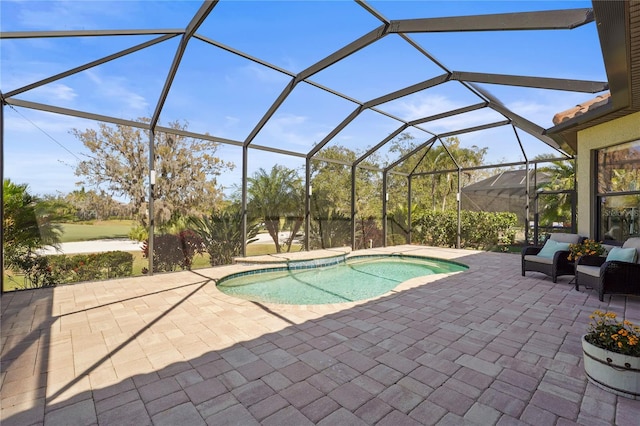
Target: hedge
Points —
{"points": [[90, 267], [479, 230]]}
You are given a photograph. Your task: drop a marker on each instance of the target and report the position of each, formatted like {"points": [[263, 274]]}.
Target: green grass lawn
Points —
{"points": [[95, 230]]}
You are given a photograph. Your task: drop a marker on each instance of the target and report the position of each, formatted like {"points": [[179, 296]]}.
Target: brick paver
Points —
{"points": [[485, 346]]}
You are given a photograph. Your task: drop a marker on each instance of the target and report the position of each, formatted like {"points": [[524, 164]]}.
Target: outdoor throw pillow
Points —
{"points": [[622, 254], [551, 247]]}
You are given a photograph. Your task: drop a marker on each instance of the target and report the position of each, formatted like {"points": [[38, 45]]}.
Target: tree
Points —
{"points": [[96, 205], [276, 195], [186, 169], [556, 207], [331, 198], [27, 226]]}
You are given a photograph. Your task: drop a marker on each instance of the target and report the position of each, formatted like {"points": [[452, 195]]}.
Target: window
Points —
{"points": [[618, 192]]}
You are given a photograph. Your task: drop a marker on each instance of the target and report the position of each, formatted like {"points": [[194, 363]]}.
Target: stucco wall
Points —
{"points": [[612, 133]]}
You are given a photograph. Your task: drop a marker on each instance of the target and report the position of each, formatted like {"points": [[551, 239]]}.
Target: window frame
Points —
{"points": [[597, 205]]}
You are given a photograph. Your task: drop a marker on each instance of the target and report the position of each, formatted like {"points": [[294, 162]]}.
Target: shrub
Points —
{"points": [[37, 270], [173, 251], [221, 234], [479, 230], [138, 233], [90, 267]]}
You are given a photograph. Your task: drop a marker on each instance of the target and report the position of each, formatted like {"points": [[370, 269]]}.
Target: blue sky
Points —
{"points": [[225, 95]]}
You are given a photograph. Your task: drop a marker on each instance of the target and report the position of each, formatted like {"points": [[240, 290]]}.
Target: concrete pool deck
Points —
{"points": [[485, 346]]}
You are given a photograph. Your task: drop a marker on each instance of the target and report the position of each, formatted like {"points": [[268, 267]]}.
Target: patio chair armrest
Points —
{"points": [[530, 250], [626, 268], [591, 260], [561, 257], [618, 278]]}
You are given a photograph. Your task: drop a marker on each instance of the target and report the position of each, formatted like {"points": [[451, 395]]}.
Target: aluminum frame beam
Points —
{"points": [[141, 125], [544, 20], [449, 113], [533, 82], [409, 90], [519, 121], [76, 113], [474, 128], [343, 52], [493, 166], [243, 55], [86, 33]]}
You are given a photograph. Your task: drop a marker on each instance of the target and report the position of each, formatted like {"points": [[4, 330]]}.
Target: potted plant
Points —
{"points": [[585, 248], [612, 354]]}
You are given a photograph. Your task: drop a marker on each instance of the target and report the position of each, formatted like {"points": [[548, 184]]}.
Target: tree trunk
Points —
{"points": [[273, 227]]}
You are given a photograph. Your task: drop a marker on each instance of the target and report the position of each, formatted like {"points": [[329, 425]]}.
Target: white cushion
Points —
{"points": [[594, 271], [566, 238]]}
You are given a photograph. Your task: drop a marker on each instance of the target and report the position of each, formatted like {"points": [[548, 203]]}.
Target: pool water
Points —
{"points": [[356, 279]]}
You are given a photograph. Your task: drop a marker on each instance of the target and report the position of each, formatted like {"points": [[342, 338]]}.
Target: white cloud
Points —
{"points": [[116, 89], [463, 121], [231, 121], [419, 106], [261, 74], [15, 80], [286, 129], [26, 124], [58, 92]]}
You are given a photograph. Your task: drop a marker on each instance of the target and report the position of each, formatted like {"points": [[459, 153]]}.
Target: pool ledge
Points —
{"points": [[280, 258]]}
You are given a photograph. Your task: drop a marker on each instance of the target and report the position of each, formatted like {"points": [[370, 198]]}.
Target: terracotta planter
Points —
{"points": [[611, 371]]}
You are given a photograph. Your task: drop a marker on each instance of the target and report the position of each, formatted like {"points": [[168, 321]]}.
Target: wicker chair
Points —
{"points": [[554, 266], [610, 277]]}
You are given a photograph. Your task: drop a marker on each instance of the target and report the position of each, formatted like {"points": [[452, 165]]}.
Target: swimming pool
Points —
{"points": [[353, 279]]}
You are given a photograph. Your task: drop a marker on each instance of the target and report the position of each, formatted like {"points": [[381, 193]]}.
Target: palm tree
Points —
{"points": [[557, 208], [277, 195], [26, 226]]}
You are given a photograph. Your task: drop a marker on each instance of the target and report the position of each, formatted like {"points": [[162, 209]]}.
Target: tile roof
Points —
{"points": [[598, 101]]}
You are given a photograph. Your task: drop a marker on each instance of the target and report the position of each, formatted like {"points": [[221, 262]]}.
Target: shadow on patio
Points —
{"points": [[485, 346]]}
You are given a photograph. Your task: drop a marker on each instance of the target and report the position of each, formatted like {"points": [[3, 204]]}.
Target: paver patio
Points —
{"points": [[485, 346]]}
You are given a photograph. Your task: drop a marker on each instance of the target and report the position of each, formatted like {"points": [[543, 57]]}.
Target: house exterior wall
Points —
{"points": [[624, 129]]}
